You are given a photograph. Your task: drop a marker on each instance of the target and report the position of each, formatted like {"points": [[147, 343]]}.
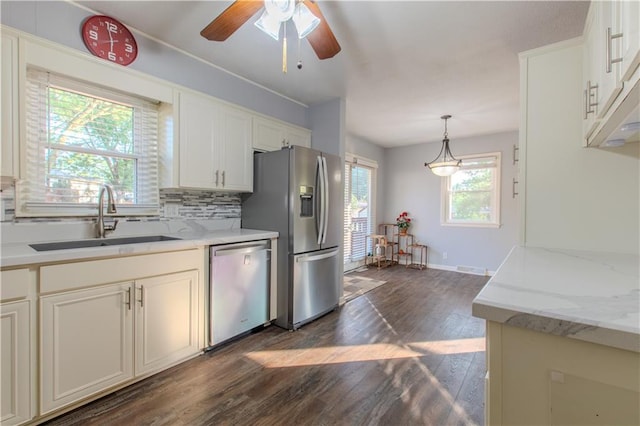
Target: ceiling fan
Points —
{"points": [[306, 14]]}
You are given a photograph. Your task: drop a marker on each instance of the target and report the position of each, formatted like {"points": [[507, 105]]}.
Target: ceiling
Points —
{"points": [[403, 64]]}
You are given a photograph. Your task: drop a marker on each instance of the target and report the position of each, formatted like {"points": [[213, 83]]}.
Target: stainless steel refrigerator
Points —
{"points": [[298, 193]]}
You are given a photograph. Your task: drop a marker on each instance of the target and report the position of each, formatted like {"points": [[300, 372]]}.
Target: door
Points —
{"points": [[334, 202], [198, 161], [166, 321], [304, 165], [235, 157], [239, 297], [86, 343], [316, 285], [359, 202], [16, 362]]}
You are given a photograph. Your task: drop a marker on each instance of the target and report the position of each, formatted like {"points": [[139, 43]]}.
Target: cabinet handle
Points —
{"points": [[223, 173], [513, 188], [128, 302], [217, 171], [609, 48], [284, 142], [141, 296], [516, 152], [589, 96]]}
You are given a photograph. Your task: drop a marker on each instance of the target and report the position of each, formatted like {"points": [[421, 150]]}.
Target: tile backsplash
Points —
{"points": [[174, 204]]}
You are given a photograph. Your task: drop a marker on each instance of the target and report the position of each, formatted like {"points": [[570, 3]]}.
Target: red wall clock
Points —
{"points": [[109, 39]]}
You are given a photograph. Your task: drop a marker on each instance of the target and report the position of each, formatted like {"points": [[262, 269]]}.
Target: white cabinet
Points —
{"points": [[166, 320], [611, 56], [88, 336], [86, 343], [14, 349], [544, 379], [214, 145], [9, 106], [272, 135], [97, 333], [630, 45]]}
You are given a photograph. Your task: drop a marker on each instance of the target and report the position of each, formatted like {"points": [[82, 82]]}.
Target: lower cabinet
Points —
{"points": [[100, 337], [166, 320], [14, 349], [544, 379]]}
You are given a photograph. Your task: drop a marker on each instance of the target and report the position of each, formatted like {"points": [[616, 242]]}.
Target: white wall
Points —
{"points": [[576, 198], [411, 187]]}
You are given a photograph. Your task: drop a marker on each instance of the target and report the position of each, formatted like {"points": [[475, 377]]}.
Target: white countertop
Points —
{"points": [[20, 254], [582, 295]]}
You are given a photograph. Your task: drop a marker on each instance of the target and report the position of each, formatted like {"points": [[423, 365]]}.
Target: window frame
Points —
{"points": [[496, 194], [147, 160]]}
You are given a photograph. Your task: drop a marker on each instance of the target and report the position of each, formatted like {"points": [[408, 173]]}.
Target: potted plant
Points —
{"points": [[403, 221]]}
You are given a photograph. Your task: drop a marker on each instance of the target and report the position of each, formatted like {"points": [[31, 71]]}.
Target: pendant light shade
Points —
{"points": [[445, 164]]}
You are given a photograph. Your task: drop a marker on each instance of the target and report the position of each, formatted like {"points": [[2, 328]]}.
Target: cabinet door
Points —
{"points": [[268, 135], [608, 75], [300, 137], [591, 63], [197, 141], [9, 106], [166, 320], [236, 157], [630, 28], [86, 343], [16, 360]]}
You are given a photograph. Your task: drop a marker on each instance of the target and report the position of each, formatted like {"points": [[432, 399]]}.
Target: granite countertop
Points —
{"points": [[21, 254], [581, 295]]}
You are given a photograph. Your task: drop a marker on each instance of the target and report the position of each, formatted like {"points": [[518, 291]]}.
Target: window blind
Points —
{"points": [[79, 137]]}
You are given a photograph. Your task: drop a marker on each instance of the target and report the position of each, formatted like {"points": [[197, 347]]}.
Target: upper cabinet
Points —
{"points": [[272, 135], [610, 62], [9, 106], [212, 148]]}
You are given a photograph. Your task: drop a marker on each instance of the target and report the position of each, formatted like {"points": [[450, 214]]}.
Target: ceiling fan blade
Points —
{"points": [[322, 40], [231, 19]]}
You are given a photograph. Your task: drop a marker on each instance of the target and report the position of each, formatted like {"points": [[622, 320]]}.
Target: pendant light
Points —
{"points": [[448, 164]]}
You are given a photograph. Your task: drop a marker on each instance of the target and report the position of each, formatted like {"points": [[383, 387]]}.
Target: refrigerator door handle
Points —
{"points": [[325, 193], [316, 257], [321, 184]]}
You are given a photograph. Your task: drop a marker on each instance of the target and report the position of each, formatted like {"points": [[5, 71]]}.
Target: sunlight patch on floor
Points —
{"points": [[358, 353]]}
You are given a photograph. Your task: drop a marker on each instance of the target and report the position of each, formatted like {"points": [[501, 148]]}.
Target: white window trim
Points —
{"points": [[498, 192]]}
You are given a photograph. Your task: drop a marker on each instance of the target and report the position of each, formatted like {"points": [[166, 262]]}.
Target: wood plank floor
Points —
{"points": [[406, 353]]}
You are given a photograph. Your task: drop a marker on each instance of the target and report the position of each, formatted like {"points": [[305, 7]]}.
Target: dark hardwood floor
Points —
{"points": [[406, 353]]}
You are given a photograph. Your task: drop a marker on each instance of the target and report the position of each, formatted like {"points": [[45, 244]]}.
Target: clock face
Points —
{"points": [[108, 39]]}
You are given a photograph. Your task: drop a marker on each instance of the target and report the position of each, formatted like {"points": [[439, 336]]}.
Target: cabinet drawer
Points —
{"points": [[14, 284], [96, 272]]}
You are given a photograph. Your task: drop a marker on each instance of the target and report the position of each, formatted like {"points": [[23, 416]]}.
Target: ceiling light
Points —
{"points": [[269, 24], [304, 20], [447, 164]]}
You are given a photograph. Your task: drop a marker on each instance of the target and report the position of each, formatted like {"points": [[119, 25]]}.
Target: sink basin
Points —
{"points": [[65, 245]]}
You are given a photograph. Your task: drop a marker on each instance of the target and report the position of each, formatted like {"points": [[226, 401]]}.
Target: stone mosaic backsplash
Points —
{"points": [[174, 203]]}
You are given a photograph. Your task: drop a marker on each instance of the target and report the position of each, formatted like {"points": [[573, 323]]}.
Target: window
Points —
{"points": [[471, 196], [80, 137], [359, 206]]}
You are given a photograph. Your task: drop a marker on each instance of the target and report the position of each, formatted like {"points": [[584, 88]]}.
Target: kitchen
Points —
{"points": [[325, 121]]}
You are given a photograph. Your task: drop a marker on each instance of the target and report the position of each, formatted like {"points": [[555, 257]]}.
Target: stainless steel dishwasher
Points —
{"points": [[239, 289]]}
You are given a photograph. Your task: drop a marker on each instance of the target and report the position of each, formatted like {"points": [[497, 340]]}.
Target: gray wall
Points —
{"points": [[327, 126], [411, 187], [60, 22]]}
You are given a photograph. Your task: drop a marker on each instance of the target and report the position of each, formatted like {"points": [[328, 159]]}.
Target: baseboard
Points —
{"points": [[471, 270]]}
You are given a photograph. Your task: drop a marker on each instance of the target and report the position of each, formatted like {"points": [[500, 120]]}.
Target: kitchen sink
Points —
{"points": [[65, 245]]}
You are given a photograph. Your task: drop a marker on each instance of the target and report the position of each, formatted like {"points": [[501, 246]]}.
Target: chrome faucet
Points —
{"points": [[101, 228]]}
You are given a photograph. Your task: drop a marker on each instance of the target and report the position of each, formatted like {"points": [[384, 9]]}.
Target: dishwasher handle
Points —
{"points": [[234, 250]]}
